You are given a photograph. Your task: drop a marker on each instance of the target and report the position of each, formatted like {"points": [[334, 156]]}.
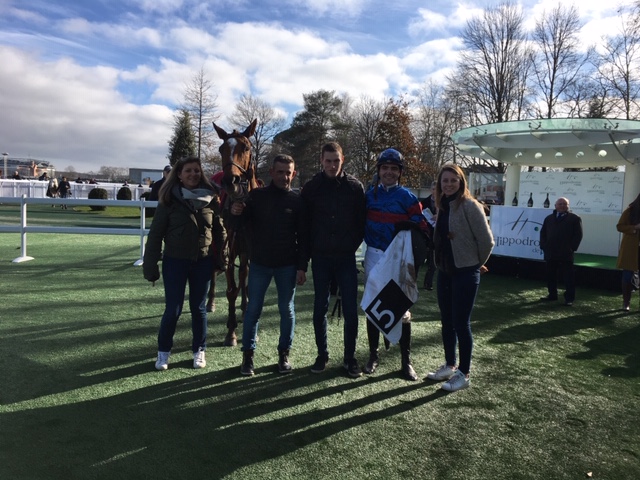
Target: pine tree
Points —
{"points": [[182, 143]]}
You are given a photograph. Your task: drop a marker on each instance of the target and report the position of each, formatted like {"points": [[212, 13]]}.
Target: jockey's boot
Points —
{"points": [[405, 349], [373, 335], [283, 362], [247, 363]]}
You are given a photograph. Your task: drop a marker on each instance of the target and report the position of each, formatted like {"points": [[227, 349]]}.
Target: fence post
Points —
{"points": [[23, 234], [143, 214]]}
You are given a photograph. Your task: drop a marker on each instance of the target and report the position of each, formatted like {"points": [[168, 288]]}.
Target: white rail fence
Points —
{"points": [[24, 228], [38, 189]]}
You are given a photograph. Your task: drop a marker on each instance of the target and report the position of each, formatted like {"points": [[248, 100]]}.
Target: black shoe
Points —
{"points": [[428, 287], [352, 368], [408, 372], [283, 362], [372, 364], [568, 304], [549, 298], [320, 364]]}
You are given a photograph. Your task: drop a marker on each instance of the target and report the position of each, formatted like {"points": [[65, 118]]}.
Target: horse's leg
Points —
{"points": [[211, 296], [243, 273], [231, 339]]}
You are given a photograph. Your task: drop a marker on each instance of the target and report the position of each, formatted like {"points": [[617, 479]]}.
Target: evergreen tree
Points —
{"points": [[182, 143]]}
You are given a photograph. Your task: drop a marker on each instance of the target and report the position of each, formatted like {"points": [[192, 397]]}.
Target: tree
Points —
{"points": [[395, 132], [490, 79], [619, 63], [557, 62], [319, 122], [270, 123], [113, 173], [200, 102], [435, 120], [365, 117], [182, 143]]}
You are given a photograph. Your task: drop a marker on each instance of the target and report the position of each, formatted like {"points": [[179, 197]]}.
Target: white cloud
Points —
{"points": [[69, 114]]}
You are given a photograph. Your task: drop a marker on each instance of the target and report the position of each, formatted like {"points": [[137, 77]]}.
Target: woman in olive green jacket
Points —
{"points": [[184, 222], [629, 254]]}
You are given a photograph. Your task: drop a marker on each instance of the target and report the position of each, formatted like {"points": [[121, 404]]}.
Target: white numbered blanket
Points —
{"points": [[391, 287]]}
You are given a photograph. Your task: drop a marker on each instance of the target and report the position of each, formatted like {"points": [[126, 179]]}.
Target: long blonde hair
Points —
{"points": [[464, 193]]}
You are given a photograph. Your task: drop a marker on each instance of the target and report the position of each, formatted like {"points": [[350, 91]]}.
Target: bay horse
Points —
{"points": [[239, 177]]}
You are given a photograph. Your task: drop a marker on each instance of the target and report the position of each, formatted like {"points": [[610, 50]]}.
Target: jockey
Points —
{"points": [[390, 207]]}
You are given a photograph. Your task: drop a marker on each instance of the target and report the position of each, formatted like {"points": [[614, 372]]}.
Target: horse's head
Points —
{"points": [[239, 172]]}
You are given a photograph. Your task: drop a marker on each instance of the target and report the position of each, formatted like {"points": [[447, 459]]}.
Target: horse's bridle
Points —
{"points": [[239, 194]]}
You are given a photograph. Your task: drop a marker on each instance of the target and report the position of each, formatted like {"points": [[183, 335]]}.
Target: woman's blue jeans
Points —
{"points": [[456, 297], [176, 273], [257, 285]]}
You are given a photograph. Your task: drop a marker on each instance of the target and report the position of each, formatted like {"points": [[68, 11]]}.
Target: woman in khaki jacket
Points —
{"points": [[629, 254]]}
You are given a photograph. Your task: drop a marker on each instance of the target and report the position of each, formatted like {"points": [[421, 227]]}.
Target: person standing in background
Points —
{"points": [[560, 237], [429, 211], [64, 189], [629, 254]]}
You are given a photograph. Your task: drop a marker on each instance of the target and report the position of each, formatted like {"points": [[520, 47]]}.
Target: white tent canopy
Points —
{"points": [[557, 142]]}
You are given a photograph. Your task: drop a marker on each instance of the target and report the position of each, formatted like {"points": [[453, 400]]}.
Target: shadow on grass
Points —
{"points": [[221, 415], [623, 344]]}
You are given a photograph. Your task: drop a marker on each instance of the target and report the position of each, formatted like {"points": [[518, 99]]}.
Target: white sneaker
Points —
{"points": [[199, 360], [162, 363], [444, 372], [458, 381]]}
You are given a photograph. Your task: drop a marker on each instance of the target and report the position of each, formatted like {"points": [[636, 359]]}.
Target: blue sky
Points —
{"points": [[90, 83]]}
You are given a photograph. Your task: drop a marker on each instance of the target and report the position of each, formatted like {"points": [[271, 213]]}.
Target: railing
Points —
{"points": [[24, 228], [38, 189]]}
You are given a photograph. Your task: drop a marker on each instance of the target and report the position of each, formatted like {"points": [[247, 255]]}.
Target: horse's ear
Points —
{"points": [[251, 129], [221, 133]]}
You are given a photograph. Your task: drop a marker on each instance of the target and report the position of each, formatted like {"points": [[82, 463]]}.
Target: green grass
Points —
{"points": [[555, 391]]}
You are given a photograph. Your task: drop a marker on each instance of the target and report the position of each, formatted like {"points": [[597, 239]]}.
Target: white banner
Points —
{"points": [[597, 193], [516, 231]]}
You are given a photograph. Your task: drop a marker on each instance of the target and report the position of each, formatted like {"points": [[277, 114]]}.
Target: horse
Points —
{"points": [[239, 177]]}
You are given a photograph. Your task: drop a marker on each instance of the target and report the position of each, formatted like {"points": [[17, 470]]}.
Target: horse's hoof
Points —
{"points": [[230, 340], [211, 307]]}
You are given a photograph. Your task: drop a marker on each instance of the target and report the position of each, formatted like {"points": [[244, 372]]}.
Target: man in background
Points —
{"points": [[560, 237]]}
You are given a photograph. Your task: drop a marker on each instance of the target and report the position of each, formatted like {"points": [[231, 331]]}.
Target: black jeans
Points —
{"points": [[566, 268]]}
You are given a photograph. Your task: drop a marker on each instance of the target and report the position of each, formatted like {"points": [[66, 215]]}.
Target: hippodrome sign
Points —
{"points": [[516, 231]]}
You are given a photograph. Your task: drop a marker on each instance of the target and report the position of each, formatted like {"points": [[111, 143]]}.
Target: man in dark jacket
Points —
{"points": [[560, 237], [429, 211], [335, 211], [274, 214], [155, 188]]}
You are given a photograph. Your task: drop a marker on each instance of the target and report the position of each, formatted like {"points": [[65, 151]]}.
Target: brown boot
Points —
{"points": [[283, 362], [247, 363], [405, 349]]}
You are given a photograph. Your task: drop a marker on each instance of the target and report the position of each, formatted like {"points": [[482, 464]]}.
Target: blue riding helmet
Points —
{"points": [[391, 155]]}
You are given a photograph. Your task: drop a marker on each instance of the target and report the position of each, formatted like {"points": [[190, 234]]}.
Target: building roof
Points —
{"points": [[555, 142]]}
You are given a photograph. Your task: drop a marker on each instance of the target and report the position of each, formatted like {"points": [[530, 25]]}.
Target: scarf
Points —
{"points": [[195, 199]]}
